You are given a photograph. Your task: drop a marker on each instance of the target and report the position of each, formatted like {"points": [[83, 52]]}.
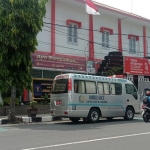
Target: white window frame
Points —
{"points": [[105, 39], [71, 34], [132, 45]]}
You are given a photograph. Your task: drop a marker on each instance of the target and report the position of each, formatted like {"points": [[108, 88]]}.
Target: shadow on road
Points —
{"points": [[102, 122]]}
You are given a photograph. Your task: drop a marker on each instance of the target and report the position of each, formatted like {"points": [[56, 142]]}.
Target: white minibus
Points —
{"points": [[89, 97]]}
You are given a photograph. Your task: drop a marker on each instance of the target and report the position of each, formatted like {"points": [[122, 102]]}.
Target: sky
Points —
{"points": [[138, 7]]}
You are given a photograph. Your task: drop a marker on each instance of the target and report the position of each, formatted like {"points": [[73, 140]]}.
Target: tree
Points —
{"points": [[20, 22], [115, 71]]}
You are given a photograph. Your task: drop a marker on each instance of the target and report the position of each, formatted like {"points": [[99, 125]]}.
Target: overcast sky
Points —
{"points": [[139, 7]]}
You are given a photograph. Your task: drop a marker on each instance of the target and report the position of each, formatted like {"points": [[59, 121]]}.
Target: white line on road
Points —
{"points": [[87, 141]]}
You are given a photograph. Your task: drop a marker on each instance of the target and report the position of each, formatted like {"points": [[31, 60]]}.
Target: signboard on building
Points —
{"points": [[41, 87], [136, 66], [46, 61], [90, 68]]}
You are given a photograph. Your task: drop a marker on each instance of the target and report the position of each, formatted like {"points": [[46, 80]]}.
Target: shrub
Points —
{"points": [[7, 101], [1, 105]]}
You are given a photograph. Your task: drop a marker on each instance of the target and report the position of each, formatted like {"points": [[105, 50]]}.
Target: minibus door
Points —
{"points": [[132, 97]]}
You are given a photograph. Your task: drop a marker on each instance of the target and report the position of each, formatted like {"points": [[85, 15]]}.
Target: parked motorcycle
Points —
{"points": [[145, 113]]}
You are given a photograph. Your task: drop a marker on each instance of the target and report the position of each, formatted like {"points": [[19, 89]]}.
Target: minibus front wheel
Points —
{"points": [[129, 114]]}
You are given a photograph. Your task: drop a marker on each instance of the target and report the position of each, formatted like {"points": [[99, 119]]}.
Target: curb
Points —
{"points": [[33, 119]]}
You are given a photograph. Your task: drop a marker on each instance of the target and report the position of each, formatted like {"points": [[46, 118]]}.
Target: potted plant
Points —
{"points": [[32, 111]]}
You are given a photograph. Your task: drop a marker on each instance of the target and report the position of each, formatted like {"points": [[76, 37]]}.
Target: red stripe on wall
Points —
{"points": [[119, 36], [144, 41], [53, 27], [91, 38]]}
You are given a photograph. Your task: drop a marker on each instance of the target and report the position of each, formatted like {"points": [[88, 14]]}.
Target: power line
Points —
{"points": [[110, 46], [90, 29], [46, 43], [95, 37]]}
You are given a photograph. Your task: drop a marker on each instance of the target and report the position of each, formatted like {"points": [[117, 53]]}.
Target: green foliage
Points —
{"points": [[114, 71], [7, 93], [1, 105], [32, 103], [7, 101], [20, 22], [45, 99]]}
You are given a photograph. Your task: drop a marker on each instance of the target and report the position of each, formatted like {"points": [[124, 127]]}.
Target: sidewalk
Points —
{"points": [[26, 119], [43, 118]]}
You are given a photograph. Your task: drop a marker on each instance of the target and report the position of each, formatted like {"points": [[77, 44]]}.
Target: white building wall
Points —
{"points": [[108, 22], [148, 40], [135, 29], [63, 13], [44, 37]]}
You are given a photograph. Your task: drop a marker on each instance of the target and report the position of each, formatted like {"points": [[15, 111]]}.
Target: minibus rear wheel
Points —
{"points": [[94, 115], [74, 120]]}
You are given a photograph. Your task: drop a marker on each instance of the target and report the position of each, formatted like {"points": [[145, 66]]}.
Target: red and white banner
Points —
{"points": [[136, 66], [91, 8]]}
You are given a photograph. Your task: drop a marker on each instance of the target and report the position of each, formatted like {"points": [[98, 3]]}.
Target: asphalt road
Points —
{"points": [[105, 135]]}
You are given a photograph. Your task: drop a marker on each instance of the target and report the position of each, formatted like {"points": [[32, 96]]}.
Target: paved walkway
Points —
{"points": [[44, 118]]}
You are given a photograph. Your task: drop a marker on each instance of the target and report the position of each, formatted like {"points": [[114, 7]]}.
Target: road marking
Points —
{"points": [[2, 129], [94, 140]]}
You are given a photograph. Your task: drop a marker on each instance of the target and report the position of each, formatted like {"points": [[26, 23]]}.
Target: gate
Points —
{"points": [[130, 78], [143, 83]]}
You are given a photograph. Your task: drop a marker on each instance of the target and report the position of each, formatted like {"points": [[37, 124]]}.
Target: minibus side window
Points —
{"points": [[130, 89], [100, 88], [116, 88], [106, 88], [79, 86], [90, 87]]}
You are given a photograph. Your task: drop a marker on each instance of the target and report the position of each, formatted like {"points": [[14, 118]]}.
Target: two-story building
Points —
{"points": [[71, 37]]}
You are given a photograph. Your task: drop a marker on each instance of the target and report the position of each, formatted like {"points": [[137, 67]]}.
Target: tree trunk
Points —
{"points": [[11, 115], [1, 100]]}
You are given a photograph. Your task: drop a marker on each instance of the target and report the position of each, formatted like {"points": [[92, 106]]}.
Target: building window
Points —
{"points": [[72, 33], [132, 45], [105, 39]]}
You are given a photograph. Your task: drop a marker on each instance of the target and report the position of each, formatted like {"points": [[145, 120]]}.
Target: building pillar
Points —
{"points": [[91, 38], [119, 36], [144, 41]]}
